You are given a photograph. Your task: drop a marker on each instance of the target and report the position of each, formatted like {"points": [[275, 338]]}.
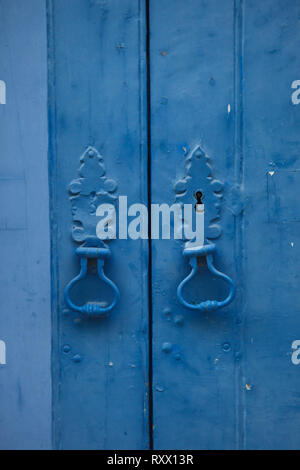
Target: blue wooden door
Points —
{"points": [[162, 102], [223, 78], [219, 78]]}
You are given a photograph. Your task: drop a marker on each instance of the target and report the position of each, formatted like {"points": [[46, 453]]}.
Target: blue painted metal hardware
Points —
{"points": [[101, 252], [199, 183], [87, 192], [193, 254], [91, 189]]}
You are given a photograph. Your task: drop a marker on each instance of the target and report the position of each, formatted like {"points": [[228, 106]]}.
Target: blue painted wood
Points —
{"points": [[221, 75], [25, 319], [195, 383], [271, 124], [97, 84]]}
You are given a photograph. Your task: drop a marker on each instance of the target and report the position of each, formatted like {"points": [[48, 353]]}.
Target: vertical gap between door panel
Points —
{"points": [[150, 387], [51, 104], [239, 220]]}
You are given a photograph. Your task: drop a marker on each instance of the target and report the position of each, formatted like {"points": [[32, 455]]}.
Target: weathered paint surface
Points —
{"points": [[221, 75], [271, 247], [97, 84], [192, 82], [25, 317]]}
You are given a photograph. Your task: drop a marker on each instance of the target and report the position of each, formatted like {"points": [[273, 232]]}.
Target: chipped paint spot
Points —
{"points": [[248, 387], [228, 109], [121, 45], [110, 364], [271, 173], [292, 244], [163, 53]]}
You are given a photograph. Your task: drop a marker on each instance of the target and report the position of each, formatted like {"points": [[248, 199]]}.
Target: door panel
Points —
{"points": [[97, 98], [195, 384], [271, 220], [221, 75]]}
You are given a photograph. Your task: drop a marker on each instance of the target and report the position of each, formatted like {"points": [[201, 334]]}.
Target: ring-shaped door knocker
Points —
{"points": [[92, 308], [91, 189], [193, 254]]}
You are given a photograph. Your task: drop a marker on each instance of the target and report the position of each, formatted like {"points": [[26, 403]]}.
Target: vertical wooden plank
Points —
{"points": [[195, 378], [271, 221], [97, 78], [25, 319]]}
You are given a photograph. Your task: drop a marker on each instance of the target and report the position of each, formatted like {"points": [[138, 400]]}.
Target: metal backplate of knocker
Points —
{"points": [[91, 189], [199, 186]]}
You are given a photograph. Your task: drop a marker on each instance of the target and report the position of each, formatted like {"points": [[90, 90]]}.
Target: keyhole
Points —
{"points": [[198, 195]]}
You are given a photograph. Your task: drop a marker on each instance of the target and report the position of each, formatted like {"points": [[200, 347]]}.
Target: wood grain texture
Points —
{"points": [[97, 61]]}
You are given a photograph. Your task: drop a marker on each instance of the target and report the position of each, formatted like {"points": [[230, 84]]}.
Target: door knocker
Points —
{"points": [[87, 192], [199, 175]]}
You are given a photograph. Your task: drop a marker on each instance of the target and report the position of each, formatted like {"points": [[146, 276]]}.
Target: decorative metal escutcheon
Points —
{"points": [[199, 184], [91, 189]]}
